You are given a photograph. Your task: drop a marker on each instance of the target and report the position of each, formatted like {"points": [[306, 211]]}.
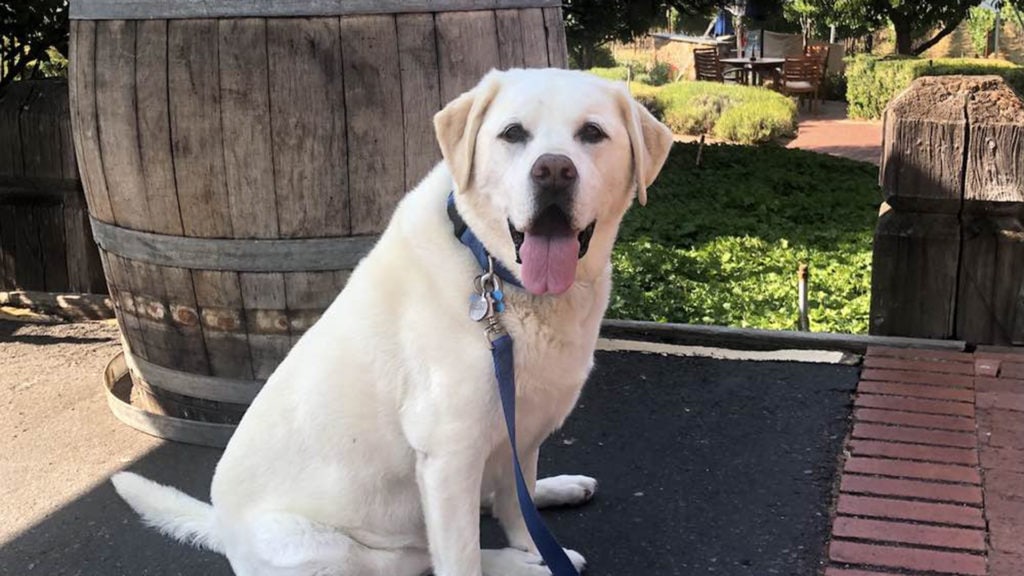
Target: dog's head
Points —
{"points": [[545, 163]]}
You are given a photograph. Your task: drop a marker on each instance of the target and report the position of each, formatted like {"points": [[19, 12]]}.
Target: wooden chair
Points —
{"points": [[709, 68], [801, 77], [819, 51]]}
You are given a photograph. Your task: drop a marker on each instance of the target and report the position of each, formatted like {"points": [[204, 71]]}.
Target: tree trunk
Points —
{"points": [[920, 49], [904, 36]]}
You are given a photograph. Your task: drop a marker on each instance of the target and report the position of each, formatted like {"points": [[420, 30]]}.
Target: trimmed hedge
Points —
{"points": [[873, 82], [742, 114], [655, 75]]}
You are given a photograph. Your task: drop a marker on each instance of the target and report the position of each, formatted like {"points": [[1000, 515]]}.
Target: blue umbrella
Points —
{"points": [[723, 25]]}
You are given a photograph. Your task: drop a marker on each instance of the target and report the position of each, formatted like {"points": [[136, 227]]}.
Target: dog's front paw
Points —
{"points": [[576, 558], [564, 490], [515, 562]]}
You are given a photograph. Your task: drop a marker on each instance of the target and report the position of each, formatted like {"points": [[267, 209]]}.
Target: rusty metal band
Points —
{"points": [[233, 254], [172, 9]]}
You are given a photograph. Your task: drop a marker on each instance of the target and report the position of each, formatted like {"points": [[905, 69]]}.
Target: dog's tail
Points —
{"points": [[170, 510]]}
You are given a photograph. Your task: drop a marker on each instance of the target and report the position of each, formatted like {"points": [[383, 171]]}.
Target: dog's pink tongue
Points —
{"points": [[549, 262]]}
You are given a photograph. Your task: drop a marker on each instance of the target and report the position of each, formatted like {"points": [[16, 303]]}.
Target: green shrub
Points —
{"points": [[660, 74], [750, 122], [603, 57], [620, 73], [720, 244], [980, 23], [834, 86], [873, 82], [736, 113], [741, 114], [646, 95], [598, 56], [700, 115]]}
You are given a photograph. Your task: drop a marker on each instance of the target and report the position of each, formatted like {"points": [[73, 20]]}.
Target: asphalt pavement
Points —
{"points": [[705, 466]]}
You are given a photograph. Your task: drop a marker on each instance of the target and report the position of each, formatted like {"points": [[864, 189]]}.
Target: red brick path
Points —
{"points": [[933, 481], [828, 131]]}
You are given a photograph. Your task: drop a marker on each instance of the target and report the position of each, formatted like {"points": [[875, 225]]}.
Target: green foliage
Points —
{"points": [[620, 73], [980, 25], [721, 244], [735, 113], [33, 38], [598, 56], [834, 86], [873, 82], [660, 74], [917, 25], [1013, 15]]}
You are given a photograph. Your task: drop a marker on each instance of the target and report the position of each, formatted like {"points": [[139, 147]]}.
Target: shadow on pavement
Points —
{"points": [[706, 466]]}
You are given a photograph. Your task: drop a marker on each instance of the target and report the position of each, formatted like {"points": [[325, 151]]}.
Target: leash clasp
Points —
{"points": [[488, 301]]}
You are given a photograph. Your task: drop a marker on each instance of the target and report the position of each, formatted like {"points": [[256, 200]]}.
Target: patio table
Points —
{"points": [[758, 67]]}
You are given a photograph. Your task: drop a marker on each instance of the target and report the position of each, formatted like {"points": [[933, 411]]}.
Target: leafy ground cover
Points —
{"points": [[720, 244]]}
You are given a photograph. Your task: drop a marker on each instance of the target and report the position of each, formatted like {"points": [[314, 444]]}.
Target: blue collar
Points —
{"points": [[469, 239]]}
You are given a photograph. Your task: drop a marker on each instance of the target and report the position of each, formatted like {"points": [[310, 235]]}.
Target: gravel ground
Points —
{"points": [[50, 392]]}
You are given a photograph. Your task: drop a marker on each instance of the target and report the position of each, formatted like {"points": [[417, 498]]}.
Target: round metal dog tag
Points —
{"points": [[478, 307]]}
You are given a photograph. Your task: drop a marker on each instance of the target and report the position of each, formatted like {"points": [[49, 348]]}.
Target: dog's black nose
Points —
{"points": [[554, 172]]}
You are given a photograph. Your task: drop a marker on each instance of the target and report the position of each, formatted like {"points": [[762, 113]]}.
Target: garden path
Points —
{"points": [[934, 475], [830, 131]]}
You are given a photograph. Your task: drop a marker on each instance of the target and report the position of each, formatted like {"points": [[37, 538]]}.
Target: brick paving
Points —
{"points": [[829, 131], [933, 480]]}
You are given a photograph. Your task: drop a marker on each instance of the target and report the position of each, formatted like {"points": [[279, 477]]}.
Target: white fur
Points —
{"points": [[372, 446]]}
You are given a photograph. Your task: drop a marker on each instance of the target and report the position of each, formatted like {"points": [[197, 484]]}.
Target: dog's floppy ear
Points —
{"points": [[456, 127], [651, 141]]}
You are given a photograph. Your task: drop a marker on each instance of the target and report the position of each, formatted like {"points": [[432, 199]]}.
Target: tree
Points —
{"points": [[807, 13], [980, 24], [591, 23], [918, 25], [29, 33]]}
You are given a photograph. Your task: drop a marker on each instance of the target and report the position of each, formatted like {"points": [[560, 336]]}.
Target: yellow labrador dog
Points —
{"points": [[374, 445]]}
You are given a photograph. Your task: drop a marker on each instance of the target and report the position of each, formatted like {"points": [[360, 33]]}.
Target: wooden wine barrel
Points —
{"points": [[240, 157]]}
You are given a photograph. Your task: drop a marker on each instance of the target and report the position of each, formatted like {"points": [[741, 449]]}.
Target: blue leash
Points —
{"points": [[550, 550], [486, 303]]}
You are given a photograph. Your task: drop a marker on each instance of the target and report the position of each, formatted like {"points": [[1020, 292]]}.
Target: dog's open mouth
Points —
{"points": [[549, 250]]}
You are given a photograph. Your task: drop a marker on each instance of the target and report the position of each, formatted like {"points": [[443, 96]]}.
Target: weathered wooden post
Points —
{"points": [[949, 246], [990, 301]]}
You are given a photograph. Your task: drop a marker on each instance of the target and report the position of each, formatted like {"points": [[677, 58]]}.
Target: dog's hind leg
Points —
{"points": [[284, 544]]}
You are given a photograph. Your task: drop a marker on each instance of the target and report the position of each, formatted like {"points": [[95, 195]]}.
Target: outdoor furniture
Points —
{"points": [[801, 77], [819, 51], [756, 70], [710, 67]]}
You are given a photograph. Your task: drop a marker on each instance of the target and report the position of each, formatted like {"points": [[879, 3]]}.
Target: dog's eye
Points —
{"points": [[514, 134], [591, 133]]}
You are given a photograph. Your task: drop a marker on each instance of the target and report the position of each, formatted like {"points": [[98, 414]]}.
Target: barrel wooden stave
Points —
{"points": [[263, 128]]}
